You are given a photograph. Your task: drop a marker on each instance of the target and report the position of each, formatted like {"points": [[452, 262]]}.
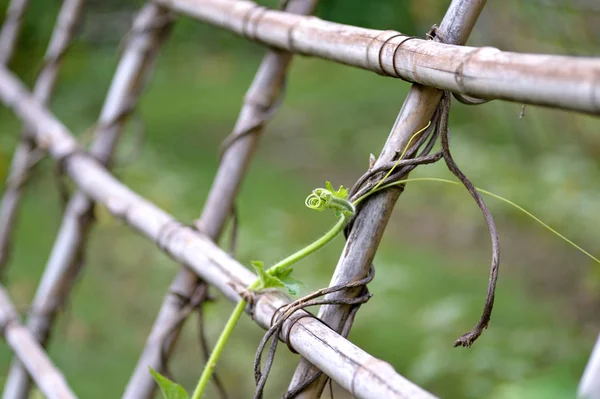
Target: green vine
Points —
{"points": [[279, 275]]}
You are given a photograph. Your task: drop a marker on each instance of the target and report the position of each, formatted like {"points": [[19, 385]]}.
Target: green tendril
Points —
{"points": [[505, 200], [319, 199], [328, 198]]}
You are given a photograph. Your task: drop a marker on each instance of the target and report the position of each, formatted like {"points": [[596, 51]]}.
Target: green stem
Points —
{"points": [[316, 245], [321, 242], [216, 353], [239, 309]]}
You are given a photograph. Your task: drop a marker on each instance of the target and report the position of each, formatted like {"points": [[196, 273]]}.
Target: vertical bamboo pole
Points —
{"points": [[11, 28], [149, 30], [370, 224], [44, 85], [260, 100]]}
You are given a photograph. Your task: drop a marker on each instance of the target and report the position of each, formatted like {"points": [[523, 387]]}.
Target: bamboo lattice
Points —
{"points": [[570, 83]]}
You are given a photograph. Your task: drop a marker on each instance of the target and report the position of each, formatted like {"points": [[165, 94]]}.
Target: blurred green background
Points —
{"points": [[432, 266]]}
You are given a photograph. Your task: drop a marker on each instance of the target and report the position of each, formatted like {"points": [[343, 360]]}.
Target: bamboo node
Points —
{"points": [[251, 20]]}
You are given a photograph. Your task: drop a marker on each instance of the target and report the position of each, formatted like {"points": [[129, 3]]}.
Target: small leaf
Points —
{"points": [[260, 268], [266, 279], [292, 285], [169, 389], [340, 193]]}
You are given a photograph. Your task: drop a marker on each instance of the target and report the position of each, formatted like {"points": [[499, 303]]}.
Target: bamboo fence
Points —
{"points": [[24, 345], [25, 156], [259, 105], [571, 83], [66, 258]]}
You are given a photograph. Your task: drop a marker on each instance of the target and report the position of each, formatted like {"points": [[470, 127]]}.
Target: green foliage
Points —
{"points": [[266, 279], [341, 193], [276, 278], [291, 284], [169, 389], [535, 335]]}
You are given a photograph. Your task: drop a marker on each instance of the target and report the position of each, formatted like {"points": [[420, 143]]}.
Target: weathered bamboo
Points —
{"points": [[46, 376], [370, 224], [589, 387], [355, 370], [259, 105], [11, 28], [25, 154], [65, 262], [571, 83]]}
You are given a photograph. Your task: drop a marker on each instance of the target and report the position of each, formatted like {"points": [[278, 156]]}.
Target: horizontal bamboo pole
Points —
{"points": [[354, 369], [46, 376], [571, 83]]}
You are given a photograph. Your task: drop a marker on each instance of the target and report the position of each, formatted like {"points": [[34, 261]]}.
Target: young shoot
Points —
{"points": [[279, 275]]}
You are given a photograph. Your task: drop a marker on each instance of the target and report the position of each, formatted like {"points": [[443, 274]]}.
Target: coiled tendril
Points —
{"points": [[336, 200], [319, 199]]}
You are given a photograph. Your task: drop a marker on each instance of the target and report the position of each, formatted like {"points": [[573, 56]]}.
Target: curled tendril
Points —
{"points": [[336, 200], [319, 199]]}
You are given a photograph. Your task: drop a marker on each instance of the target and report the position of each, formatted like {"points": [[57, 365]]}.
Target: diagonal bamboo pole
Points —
{"points": [[259, 105], [589, 386], [47, 377], [370, 223], [65, 262], [11, 28], [571, 83], [24, 154], [354, 369]]}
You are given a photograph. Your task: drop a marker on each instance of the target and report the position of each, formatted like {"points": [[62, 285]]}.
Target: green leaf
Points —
{"points": [[266, 279], [292, 285], [340, 193], [169, 389]]}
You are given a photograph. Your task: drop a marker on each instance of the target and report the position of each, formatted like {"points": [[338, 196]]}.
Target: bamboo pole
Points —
{"points": [[589, 386], [65, 262], [25, 155], [11, 28], [355, 370], [364, 238], [571, 83], [259, 105], [47, 377]]}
